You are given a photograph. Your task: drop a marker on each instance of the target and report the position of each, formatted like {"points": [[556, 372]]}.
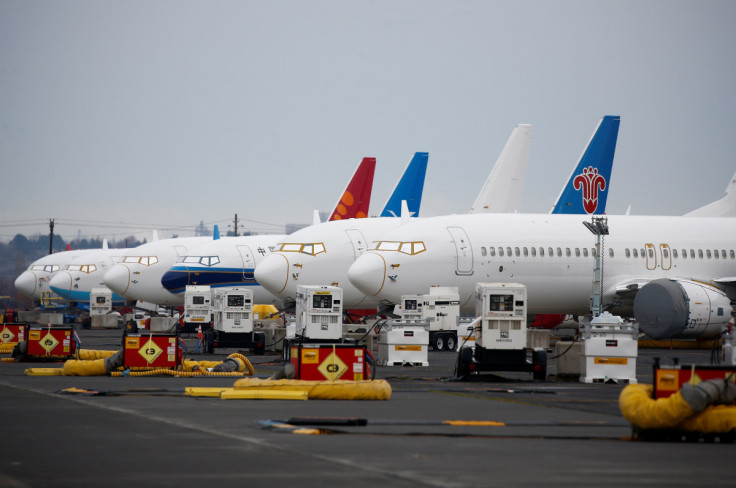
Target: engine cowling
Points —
{"points": [[667, 309]]}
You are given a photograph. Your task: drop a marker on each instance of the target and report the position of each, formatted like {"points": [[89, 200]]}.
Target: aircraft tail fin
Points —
{"points": [[409, 187], [315, 218], [356, 198], [502, 191], [724, 207], [104, 243], [154, 237], [216, 233], [586, 190]]}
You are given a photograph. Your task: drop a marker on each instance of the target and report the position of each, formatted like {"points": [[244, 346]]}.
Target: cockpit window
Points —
{"points": [[82, 268], [49, 268], [203, 260], [411, 248], [311, 248], [144, 260]]}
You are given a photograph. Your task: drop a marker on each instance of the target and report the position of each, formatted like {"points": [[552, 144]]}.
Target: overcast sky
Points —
{"points": [[167, 113]]}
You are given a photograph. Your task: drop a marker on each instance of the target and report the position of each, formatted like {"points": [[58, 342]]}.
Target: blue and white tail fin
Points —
{"points": [[586, 190], [409, 188], [503, 189]]}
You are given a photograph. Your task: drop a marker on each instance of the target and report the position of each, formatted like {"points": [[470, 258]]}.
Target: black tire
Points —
{"points": [[464, 358], [450, 342], [539, 357], [438, 343], [260, 339]]}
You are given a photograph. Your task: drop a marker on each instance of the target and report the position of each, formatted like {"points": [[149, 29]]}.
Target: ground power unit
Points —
{"points": [[151, 351], [329, 362], [501, 342], [51, 343]]}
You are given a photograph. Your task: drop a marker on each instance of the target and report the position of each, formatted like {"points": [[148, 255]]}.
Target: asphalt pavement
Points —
{"points": [[143, 431]]}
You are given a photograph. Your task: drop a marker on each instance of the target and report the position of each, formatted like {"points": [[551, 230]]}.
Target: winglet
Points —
{"points": [[502, 191], [356, 198], [586, 190], [216, 233], [409, 187]]}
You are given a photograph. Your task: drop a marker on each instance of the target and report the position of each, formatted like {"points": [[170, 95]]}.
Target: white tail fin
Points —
{"points": [[725, 207], [503, 188], [315, 218]]}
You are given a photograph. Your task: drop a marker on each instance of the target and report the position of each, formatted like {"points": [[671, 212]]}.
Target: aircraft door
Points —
{"points": [[651, 256], [248, 262], [463, 249], [358, 241], [666, 256]]}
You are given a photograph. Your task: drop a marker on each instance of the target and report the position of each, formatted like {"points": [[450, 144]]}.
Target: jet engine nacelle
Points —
{"points": [[666, 309]]}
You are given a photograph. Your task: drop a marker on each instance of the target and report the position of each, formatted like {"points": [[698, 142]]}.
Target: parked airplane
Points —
{"points": [[34, 281], [74, 282], [232, 262], [140, 274], [676, 268], [137, 276], [322, 254]]}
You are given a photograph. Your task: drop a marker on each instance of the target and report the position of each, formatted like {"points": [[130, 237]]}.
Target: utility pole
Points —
{"points": [[236, 225], [51, 236]]}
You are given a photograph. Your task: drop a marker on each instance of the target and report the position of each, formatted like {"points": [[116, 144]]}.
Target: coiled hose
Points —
{"points": [[237, 360]]}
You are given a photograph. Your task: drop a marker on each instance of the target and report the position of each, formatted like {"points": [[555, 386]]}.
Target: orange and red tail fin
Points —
{"points": [[356, 198]]}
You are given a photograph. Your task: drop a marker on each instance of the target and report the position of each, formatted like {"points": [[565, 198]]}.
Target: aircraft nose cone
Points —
{"points": [[368, 273], [175, 281], [26, 283], [118, 279], [273, 273], [61, 283]]}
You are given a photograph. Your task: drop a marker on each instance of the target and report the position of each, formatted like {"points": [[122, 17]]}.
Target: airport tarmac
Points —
{"points": [[556, 433]]}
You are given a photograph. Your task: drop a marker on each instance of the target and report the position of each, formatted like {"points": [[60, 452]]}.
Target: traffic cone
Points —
{"points": [[199, 337]]}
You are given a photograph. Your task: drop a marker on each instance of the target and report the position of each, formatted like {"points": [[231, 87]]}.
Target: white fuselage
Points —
{"points": [[138, 275], [75, 281], [321, 255], [551, 254], [224, 263], [35, 280]]}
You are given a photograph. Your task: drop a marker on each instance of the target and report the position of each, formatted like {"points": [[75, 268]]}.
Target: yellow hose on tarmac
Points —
{"points": [[98, 367], [674, 412], [323, 390], [92, 354]]}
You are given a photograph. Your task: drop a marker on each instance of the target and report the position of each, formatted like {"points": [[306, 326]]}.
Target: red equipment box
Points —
{"points": [[51, 342], [151, 351], [12, 333], [669, 379], [329, 362]]}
